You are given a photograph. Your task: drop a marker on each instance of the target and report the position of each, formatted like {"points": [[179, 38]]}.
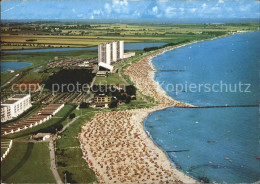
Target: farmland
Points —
{"points": [[58, 34]]}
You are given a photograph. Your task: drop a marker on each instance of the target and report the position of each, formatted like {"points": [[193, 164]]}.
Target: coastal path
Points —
{"points": [[52, 151], [53, 162]]}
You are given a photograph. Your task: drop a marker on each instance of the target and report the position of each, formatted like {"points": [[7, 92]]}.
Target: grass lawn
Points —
{"points": [[135, 104], [112, 78], [48, 126], [27, 163], [69, 154], [43, 57]]}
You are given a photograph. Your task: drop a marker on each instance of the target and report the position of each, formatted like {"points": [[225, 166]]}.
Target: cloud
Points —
{"points": [[170, 11], [124, 3], [136, 13], [245, 8], [181, 9], [120, 6], [97, 12], [193, 9], [108, 8], [220, 1], [120, 2], [92, 17], [73, 10], [204, 5], [80, 15], [155, 9]]}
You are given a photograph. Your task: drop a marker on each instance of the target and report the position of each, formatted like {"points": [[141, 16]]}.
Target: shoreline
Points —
{"points": [[118, 149], [96, 138]]}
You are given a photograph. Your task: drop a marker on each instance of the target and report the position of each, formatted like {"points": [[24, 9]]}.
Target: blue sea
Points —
{"points": [[220, 144], [10, 65]]}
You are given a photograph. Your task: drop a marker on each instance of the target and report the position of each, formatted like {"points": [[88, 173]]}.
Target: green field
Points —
{"points": [[90, 34], [27, 163], [112, 79], [69, 154]]}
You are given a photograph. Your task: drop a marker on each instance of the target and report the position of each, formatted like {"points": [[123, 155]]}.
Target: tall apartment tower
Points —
{"points": [[104, 53], [114, 51], [120, 49], [110, 52]]}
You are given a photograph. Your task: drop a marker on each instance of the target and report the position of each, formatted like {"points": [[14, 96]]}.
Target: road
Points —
{"points": [[52, 151], [68, 124], [9, 81], [53, 163]]}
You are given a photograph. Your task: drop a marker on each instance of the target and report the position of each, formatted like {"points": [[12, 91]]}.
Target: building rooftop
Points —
{"points": [[10, 101], [102, 72], [19, 96], [41, 135]]}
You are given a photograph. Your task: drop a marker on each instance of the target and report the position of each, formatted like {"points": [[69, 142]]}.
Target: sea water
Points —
{"points": [[220, 144]]}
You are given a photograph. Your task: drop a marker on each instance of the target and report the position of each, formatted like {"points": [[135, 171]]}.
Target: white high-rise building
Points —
{"points": [[104, 53], [17, 105], [120, 49], [109, 53], [114, 51]]}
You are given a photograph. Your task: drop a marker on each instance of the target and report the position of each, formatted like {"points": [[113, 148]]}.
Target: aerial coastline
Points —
{"points": [[91, 139], [93, 136], [101, 92]]}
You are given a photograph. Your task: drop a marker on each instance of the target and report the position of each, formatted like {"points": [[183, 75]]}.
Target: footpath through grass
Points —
{"points": [[69, 154], [27, 163]]}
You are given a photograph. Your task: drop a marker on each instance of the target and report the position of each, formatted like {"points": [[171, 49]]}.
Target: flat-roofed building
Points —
{"points": [[101, 101], [102, 74], [128, 55], [18, 104], [5, 113]]}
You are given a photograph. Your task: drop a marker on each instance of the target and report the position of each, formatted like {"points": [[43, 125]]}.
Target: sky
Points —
{"points": [[129, 9]]}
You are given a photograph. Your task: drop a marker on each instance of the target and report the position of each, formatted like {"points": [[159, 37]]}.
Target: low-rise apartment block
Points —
{"points": [[16, 105], [5, 113]]}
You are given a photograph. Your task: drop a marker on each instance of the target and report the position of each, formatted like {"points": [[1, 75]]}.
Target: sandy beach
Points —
{"points": [[116, 145], [142, 74], [118, 149]]}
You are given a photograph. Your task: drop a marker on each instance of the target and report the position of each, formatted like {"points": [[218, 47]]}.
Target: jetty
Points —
{"points": [[221, 106]]}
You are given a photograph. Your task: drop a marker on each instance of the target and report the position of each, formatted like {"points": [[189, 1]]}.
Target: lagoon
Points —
{"points": [[128, 46], [11, 65]]}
